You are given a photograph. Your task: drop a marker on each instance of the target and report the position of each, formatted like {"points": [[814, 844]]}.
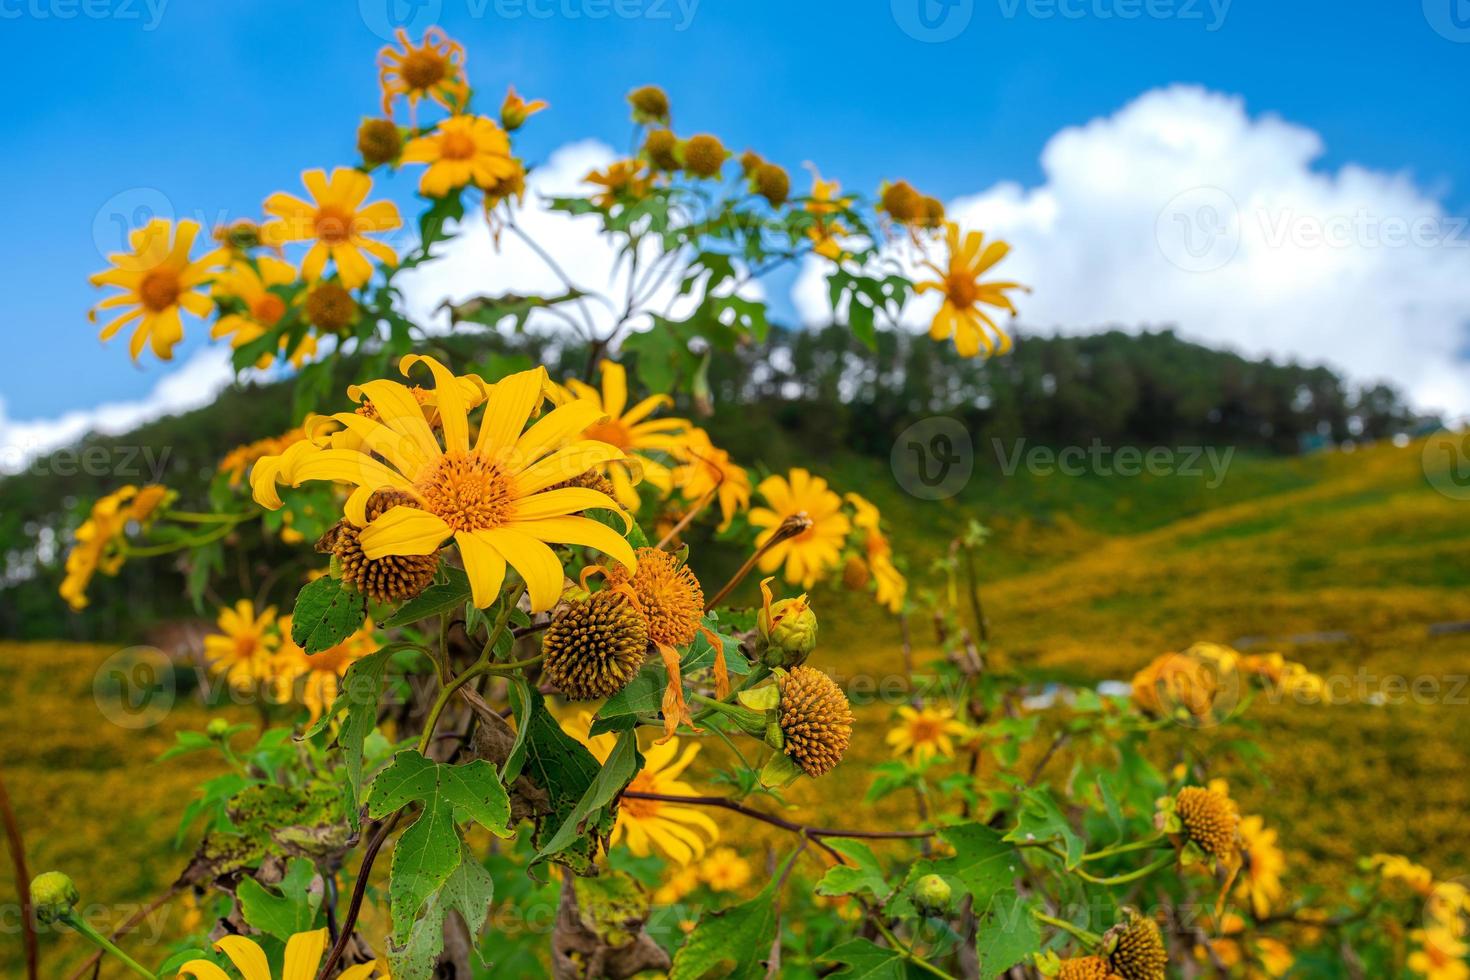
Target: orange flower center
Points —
{"points": [[268, 309], [456, 146], [244, 647], [612, 432], [159, 289], [923, 730], [423, 68], [333, 224], [468, 492], [961, 290]]}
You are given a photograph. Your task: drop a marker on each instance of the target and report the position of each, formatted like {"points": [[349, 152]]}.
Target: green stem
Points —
{"points": [[1092, 939], [1141, 845], [905, 951], [106, 945], [1124, 879], [481, 666], [194, 517], [168, 548]]}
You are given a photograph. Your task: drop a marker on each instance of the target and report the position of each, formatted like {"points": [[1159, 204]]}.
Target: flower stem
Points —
{"points": [[1124, 879], [106, 945], [481, 666], [1141, 845], [1092, 939]]}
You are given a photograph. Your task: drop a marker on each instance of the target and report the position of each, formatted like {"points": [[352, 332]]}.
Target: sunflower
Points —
{"points": [[960, 316], [99, 537], [157, 279], [1260, 883], [708, 470], [435, 68], [824, 231], [252, 286], [462, 149], [336, 222], [631, 430], [303, 955], [244, 649], [680, 832], [724, 870], [489, 494], [314, 678], [813, 551], [925, 732]]}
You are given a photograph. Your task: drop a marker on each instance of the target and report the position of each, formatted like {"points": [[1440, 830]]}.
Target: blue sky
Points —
{"points": [[211, 106]]}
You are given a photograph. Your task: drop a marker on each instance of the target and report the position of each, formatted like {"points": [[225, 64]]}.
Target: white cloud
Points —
{"points": [[193, 384], [1181, 209]]}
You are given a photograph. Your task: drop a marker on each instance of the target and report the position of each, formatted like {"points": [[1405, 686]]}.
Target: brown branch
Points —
{"points": [[789, 528], [796, 828], [359, 891], [22, 881]]}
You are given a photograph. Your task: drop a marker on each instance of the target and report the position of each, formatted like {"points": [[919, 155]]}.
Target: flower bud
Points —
{"points": [[932, 895], [217, 729], [53, 895], [786, 630], [379, 141]]}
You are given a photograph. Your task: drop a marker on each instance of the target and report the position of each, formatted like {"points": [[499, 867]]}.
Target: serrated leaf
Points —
{"points": [[1040, 819], [428, 851], [564, 768], [1006, 934], [865, 874], [622, 764], [433, 601], [864, 960], [468, 890], [361, 687], [291, 909], [326, 614], [734, 940]]}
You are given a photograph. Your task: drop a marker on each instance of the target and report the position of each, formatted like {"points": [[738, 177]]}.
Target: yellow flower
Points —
{"points": [[462, 149], [819, 547], [683, 881], [303, 954], [681, 832], [960, 316], [631, 430], [824, 200], [514, 111], [336, 222], [707, 469], [245, 647], [433, 69], [925, 732], [157, 279], [99, 536], [489, 494], [1440, 956], [724, 870], [1201, 684], [238, 460], [891, 586], [314, 677], [622, 178], [251, 286], [1260, 883], [1396, 867]]}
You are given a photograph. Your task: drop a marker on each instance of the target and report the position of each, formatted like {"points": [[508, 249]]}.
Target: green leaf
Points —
{"points": [[429, 851], [1006, 934], [779, 771], [1040, 819], [285, 914], [622, 764], [983, 864], [362, 685], [564, 768], [433, 601], [733, 940], [866, 876], [326, 614], [468, 890], [864, 960]]}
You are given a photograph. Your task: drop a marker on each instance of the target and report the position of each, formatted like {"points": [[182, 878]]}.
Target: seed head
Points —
{"points": [[650, 104], [815, 719], [704, 155], [773, 183], [1210, 819], [1137, 948], [666, 593], [901, 202], [390, 579], [330, 307], [594, 646], [1085, 968], [660, 146], [379, 141]]}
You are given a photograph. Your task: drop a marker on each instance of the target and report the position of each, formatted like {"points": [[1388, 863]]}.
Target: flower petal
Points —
{"points": [[511, 403], [403, 531], [248, 958], [535, 562], [583, 531], [484, 566], [303, 953]]}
